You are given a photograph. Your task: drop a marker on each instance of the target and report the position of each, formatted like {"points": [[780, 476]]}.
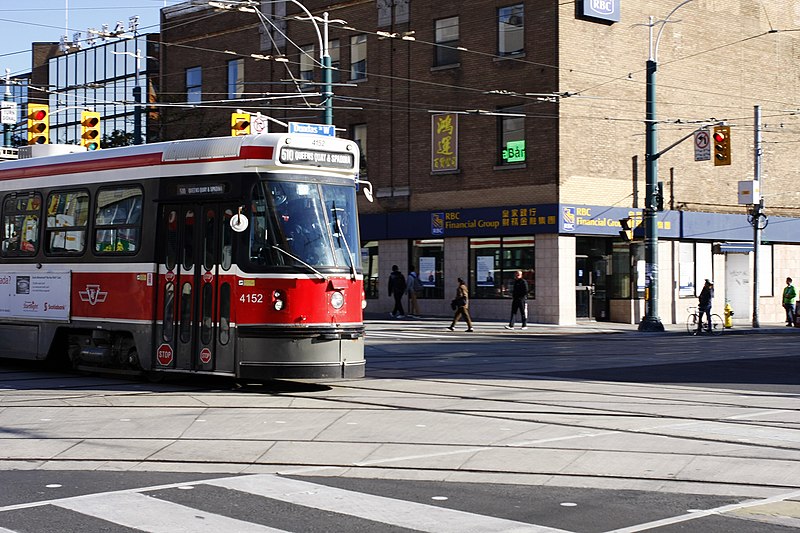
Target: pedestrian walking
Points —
{"points": [[461, 306], [519, 301], [413, 290], [704, 306], [397, 287], [789, 296]]}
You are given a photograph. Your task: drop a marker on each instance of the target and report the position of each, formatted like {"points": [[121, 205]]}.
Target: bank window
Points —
{"points": [[21, 216], [118, 221], [511, 135], [446, 35], [369, 259], [194, 85], [511, 30], [358, 57], [67, 219], [427, 257], [493, 262]]}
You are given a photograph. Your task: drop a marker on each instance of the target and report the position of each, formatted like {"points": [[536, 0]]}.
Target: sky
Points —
{"points": [[25, 21]]}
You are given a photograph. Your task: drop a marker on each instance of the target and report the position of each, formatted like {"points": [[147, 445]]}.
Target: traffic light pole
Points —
{"points": [[651, 322]]}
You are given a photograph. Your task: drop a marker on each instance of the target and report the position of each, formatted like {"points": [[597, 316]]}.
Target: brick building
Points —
{"points": [[510, 135]]}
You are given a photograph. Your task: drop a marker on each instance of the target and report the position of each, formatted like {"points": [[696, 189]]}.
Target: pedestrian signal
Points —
{"points": [[38, 123], [90, 130]]}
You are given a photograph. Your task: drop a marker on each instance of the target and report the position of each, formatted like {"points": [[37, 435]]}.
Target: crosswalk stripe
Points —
{"points": [[156, 516], [401, 513]]}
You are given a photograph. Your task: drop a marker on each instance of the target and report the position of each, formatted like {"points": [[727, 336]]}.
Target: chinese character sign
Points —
{"points": [[444, 142]]}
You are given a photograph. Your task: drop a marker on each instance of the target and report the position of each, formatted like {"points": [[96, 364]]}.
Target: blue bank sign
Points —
{"points": [[601, 9]]}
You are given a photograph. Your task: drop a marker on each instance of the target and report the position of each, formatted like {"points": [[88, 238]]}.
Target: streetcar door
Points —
{"points": [[197, 286]]}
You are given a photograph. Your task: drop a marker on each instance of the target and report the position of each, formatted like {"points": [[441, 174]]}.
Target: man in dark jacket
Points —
{"points": [[397, 287], [519, 301], [704, 306]]}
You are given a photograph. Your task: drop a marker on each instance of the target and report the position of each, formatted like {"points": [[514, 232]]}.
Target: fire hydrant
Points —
{"points": [[728, 314]]}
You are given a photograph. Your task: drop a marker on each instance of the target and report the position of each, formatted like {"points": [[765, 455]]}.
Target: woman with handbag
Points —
{"points": [[461, 306]]}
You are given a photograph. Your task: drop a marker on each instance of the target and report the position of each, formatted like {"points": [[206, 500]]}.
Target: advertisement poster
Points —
{"points": [[485, 271], [40, 295], [427, 271]]}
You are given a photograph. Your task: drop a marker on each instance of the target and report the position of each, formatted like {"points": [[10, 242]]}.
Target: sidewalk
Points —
{"points": [[581, 327]]}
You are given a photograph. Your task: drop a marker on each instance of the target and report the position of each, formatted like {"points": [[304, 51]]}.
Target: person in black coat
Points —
{"points": [[397, 287], [704, 306], [519, 300]]}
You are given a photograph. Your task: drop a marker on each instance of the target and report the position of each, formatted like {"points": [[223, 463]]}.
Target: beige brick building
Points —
{"points": [[510, 135]]}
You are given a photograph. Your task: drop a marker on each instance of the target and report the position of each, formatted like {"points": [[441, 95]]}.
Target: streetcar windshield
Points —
{"points": [[304, 224]]}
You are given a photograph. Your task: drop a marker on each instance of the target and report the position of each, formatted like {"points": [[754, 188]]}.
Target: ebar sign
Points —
{"points": [[601, 9]]}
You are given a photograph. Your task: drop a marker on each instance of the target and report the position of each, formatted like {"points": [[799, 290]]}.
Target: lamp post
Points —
{"points": [[651, 321], [137, 96]]}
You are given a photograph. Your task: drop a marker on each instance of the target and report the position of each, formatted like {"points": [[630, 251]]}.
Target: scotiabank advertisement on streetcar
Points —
{"points": [[40, 295]]}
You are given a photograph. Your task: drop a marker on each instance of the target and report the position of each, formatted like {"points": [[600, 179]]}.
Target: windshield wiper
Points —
{"points": [[314, 270], [341, 237]]}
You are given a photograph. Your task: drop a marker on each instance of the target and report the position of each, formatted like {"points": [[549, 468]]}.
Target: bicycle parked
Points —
{"points": [[694, 317]]}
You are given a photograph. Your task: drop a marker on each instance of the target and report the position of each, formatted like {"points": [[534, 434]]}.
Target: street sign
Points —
{"points": [[258, 124], [315, 129], [702, 146], [164, 355], [9, 113], [205, 356]]}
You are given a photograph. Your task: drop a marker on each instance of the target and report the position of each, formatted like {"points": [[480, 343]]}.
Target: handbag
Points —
{"points": [[453, 304], [458, 302]]}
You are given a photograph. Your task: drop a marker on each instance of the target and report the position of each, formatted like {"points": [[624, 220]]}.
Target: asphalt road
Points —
{"points": [[570, 430]]}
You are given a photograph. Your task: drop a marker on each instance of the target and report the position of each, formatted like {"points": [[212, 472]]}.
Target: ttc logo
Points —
{"points": [[93, 295]]}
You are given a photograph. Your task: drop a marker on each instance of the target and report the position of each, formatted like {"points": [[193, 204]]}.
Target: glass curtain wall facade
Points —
{"points": [[98, 79]]}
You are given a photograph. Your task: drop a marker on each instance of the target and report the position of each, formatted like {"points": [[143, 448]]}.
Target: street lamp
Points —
{"points": [[137, 97], [651, 321], [325, 58]]}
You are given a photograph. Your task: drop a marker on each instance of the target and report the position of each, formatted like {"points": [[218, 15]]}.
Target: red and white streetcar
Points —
{"points": [[236, 256]]}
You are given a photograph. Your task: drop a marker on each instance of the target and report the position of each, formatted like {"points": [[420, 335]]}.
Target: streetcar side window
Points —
{"points": [[67, 220], [118, 221], [224, 313], [21, 215]]}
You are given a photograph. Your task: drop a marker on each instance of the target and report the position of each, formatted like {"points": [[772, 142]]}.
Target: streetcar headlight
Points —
{"points": [[337, 300], [278, 303]]}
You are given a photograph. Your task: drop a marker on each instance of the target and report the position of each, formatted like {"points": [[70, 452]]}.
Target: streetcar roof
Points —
{"points": [[224, 154]]}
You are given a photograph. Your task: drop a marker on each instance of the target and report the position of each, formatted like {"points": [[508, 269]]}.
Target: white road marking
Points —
{"points": [[694, 515], [411, 515], [156, 516]]}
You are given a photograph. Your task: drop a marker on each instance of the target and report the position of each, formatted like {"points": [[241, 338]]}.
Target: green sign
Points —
{"points": [[514, 152]]}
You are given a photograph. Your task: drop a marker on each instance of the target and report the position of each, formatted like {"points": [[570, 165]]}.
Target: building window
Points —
{"points": [[306, 65], [446, 34], [493, 261], [334, 52], [427, 256], [235, 78], [369, 258], [194, 85], [511, 30], [359, 135], [358, 57], [511, 136]]}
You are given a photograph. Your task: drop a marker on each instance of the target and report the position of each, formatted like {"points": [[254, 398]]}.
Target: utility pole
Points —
{"points": [[758, 211]]}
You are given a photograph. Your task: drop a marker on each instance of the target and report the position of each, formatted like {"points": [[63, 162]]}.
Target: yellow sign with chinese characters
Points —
{"points": [[444, 142]]}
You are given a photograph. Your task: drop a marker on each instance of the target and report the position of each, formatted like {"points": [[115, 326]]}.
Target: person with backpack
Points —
{"points": [[397, 287], [414, 288]]}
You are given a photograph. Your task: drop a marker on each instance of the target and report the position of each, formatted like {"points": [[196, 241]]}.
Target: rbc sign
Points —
{"points": [[602, 9]]}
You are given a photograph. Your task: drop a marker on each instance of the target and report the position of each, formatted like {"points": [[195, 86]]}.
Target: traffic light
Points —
{"points": [[90, 130], [627, 229], [722, 145], [240, 124], [38, 123], [659, 196]]}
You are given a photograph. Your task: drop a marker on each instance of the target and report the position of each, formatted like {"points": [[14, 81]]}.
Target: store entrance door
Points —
{"points": [[592, 260]]}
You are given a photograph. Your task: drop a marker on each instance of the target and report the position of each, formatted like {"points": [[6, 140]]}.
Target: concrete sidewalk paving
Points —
{"points": [[581, 327]]}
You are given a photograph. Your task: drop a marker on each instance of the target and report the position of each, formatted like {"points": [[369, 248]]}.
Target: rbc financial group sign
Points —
{"points": [[601, 9]]}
